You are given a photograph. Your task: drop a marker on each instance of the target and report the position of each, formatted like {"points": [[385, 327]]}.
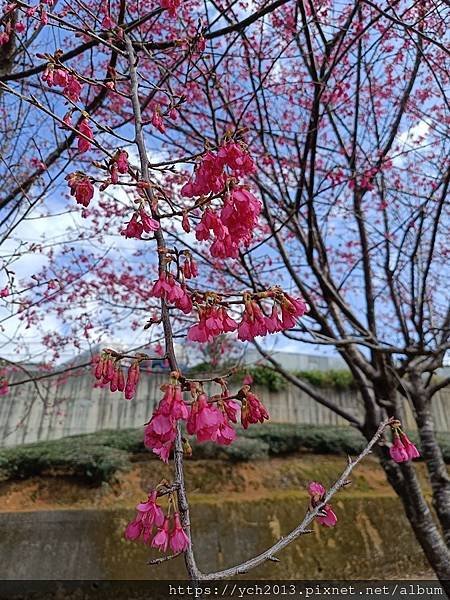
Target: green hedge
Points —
{"points": [[77, 457], [100, 456], [264, 376]]}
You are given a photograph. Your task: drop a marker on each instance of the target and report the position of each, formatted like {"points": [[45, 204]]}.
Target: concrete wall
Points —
{"points": [[48, 410], [373, 541]]}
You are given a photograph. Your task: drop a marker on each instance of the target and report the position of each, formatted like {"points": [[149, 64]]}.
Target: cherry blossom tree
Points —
{"points": [[209, 169]]}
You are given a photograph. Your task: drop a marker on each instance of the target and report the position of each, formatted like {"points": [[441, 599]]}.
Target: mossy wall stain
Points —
{"points": [[372, 540]]}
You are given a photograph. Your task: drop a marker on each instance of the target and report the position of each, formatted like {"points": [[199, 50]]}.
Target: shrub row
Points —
{"points": [[99, 456]]}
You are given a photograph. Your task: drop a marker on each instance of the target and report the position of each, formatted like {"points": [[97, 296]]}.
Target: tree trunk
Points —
{"points": [[404, 481], [437, 469]]}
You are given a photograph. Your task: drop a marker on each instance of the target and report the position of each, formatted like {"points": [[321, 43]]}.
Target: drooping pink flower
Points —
{"points": [[204, 419], [274, 323], [225, 433], [80, 187], [149, 515], [72, 88], [161, 539], [398, 451], [240, 214], [231, 409], [237, 158], [85, 128], [169, 289], [329, 519], [326, 517], [148, 223], [139, 223], [4, 292], [291, 310], [185, 223], [157, 121], [208, 177], [160, 433], [253, 322], [410, 448], [134, 228], [178, 541], [213, 321], [132, 380], [252, 410], [172, 403], [190, 268], [122, 161]]}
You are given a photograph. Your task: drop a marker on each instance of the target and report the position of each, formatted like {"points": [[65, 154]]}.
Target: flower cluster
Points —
{"points": [[169, 289], [218, 174], [55, 76], [210, 176], [160, 431], [80, 187], [150, 517], [231, 226], [140, 222], [214, 319], [402, 449], [285, 312], [209, 419], [326, 516], [109, 371]]}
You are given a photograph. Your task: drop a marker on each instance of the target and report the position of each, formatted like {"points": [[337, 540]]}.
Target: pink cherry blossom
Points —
{"points": [[80, 187], [329, 519], [326, 517], [398, 451], [157, 121], [72, 88], [161, 539], [122, 161], [178, 540], [253, 410], [204, 419], [316, 490], [149, 515], [172, 403], [410, 448], [84, 128], [132, 381], [169, 289]]}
